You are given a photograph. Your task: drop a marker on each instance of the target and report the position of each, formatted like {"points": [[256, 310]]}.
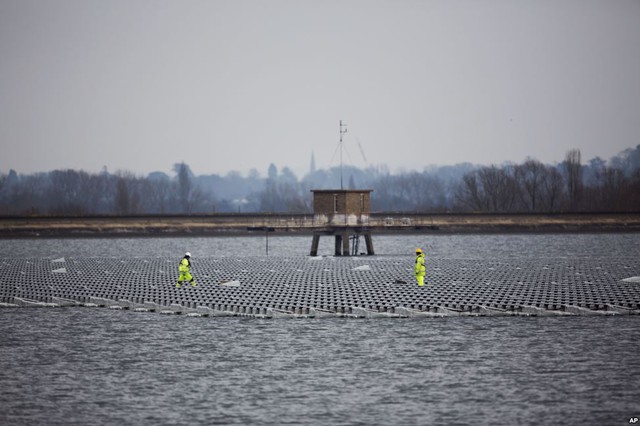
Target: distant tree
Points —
{"points": [[272, 172], [158, 176], [28, 195], [500, 188], [613, 189], [573, 170], [608, 190], [412, 191], [287, 175], [283, 197], [628, 161], [488, 189], [122, 197], [634, 192], [593, 170], [352, 182], [470, 194], [531, 186], [185, 187], [253, 175], [552, 190], [12, 178], [530, 178], [68, 192]]}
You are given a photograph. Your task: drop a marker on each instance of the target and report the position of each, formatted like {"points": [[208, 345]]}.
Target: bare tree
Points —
{"points": [[573, 169], [530, 178], [185, 186], [469, 193], [68, 192], [552, 190], [488, 189], [122, 197], [615, 185], [157, 195], [608, 191]]}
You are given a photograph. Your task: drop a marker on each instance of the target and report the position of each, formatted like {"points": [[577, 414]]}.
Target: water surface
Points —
{"points": [[81, 366], [95, 366]]}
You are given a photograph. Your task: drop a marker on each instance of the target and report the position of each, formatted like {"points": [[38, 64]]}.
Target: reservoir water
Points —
{"points": [[96, 366]]}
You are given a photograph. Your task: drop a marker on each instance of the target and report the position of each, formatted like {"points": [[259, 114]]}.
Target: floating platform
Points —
{"points": [[358, 287]]}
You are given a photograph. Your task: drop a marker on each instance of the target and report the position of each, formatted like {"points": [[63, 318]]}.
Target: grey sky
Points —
{"points": [[235, 85]]}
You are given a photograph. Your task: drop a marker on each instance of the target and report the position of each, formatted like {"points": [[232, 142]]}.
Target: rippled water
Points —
{"points": [[96, 366], [443, 246]]}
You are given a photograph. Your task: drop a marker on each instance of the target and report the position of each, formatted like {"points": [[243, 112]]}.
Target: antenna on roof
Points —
{"points": [[342, 132]]}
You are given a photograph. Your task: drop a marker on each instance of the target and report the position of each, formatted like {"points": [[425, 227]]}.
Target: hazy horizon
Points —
{"points": [[264, 173], [237, 85]]}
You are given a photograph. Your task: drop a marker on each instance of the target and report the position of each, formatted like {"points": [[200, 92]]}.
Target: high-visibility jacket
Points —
{"points": [[419, 268], [184, 265]]}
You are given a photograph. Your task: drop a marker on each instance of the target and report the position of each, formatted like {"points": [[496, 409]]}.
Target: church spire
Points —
{"points": [[312, 168]]}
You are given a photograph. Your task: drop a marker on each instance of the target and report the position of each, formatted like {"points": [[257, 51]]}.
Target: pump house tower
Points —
{"points": [[343, 213]]}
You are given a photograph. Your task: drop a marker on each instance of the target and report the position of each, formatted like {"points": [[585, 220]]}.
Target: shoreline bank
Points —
{"points": [[299, 224]]}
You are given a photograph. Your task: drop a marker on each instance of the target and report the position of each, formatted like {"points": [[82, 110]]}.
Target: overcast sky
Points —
{"points": [[138, 85]]}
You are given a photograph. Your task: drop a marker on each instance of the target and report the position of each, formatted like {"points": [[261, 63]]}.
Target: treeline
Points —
{"points": [[570, 186]]}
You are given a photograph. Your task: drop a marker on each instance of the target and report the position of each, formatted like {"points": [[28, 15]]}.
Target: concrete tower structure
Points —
{"points": [[343, 213]]}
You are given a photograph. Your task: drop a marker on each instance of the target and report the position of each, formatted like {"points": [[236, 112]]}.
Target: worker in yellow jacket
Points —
{"points": [[184, 270], [419, 268]]}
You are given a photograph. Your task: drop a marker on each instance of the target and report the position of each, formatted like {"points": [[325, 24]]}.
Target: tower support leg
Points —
{"points": [[345, 244], [338, 246], [314, 245], [369, 241]]}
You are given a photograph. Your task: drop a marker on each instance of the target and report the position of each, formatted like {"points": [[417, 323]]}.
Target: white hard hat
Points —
{"points": [[187, 254]]}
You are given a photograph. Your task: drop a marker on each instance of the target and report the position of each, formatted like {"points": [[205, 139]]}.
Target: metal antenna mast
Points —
{"points": [[342, 132]]}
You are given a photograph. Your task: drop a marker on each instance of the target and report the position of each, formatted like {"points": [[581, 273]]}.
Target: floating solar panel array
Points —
{"points": [[328, 286]]}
